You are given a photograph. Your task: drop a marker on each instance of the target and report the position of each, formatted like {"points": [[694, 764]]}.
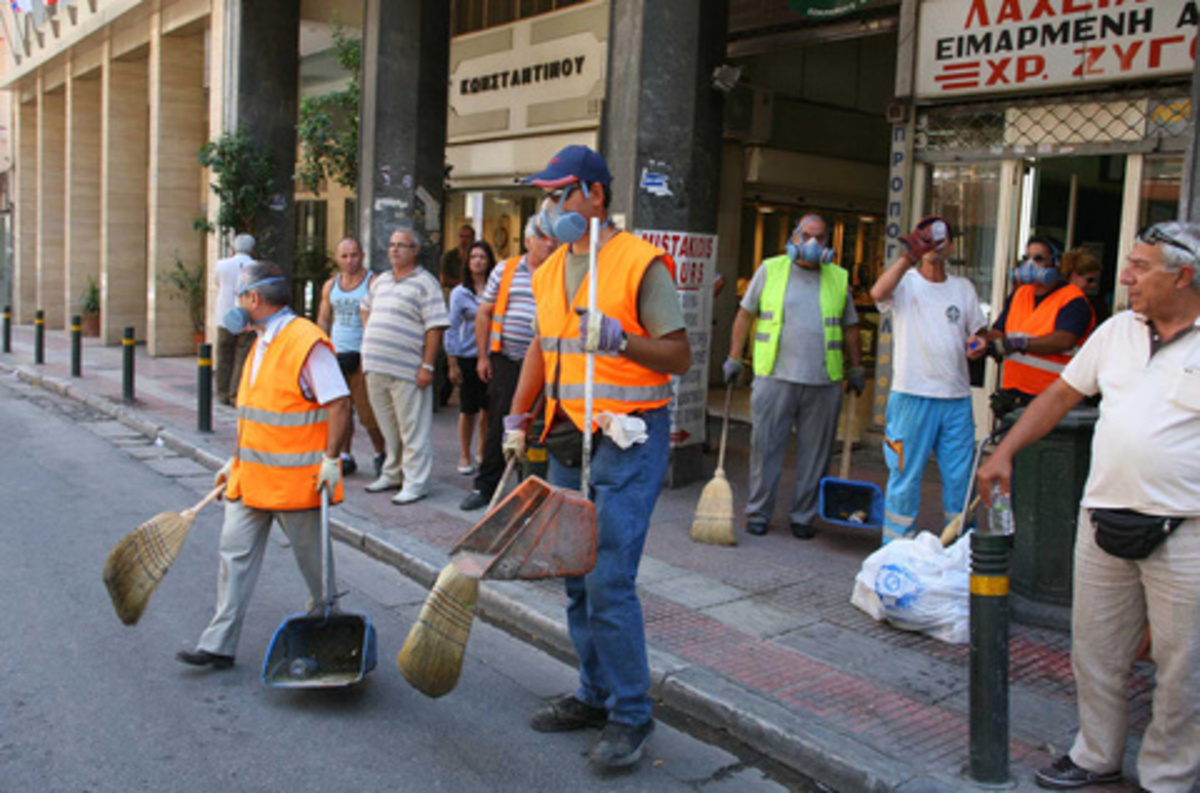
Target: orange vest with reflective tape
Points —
{"points": [[620, 385], [501, 308], [281, 436], [1028, 373]]}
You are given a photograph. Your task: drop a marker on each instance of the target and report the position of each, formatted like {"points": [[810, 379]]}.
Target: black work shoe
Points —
{"points": [[204, 658], [802, 531], [1064, 774], [566, 714], [349, 465], [756, 527], [620, 745], [473, 501]]}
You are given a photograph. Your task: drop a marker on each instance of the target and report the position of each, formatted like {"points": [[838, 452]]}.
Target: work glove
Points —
{"points": [[931, 234], [223, 475], [856, 380], [731, 369], [330, 475], [1009, 344], [599, 333], [516, 427]]}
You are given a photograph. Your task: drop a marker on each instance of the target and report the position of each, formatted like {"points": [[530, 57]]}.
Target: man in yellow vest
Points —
{"points": [[639, 339], [293, 414], [806, 319], [1044, 321]]}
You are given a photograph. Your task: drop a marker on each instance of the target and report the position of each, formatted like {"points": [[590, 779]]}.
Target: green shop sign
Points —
{"points": [[825, 9]]}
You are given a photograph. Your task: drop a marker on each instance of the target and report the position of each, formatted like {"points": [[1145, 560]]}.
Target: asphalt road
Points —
{"points": [[88, 704]]}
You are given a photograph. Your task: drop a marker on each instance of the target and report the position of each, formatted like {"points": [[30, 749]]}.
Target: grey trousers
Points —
{"points": [[243, 542], [775, 406]]}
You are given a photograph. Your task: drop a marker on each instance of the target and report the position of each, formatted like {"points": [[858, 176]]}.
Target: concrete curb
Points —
{"points": [[826, 755]]}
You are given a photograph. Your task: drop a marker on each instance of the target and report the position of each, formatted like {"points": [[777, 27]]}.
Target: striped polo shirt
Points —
{"points": [[401, 311], [517, 330]]}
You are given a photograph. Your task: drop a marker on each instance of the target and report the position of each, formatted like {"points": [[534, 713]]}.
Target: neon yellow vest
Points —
{"points": [[834, 283]]}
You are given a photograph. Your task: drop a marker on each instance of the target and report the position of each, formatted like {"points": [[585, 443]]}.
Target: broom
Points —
{"points": [[431, 659], [139, 561], [713, 523], [954, 527]]}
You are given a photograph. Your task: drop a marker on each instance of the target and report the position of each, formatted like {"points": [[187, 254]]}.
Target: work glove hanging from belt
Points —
{"points": [[731, 369], [222, 476], [330, 475], [516, 427], [856, 380], [599, 333]]}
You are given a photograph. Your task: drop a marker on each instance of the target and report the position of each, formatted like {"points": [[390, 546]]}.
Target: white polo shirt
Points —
{"points": [[1146, 450]]}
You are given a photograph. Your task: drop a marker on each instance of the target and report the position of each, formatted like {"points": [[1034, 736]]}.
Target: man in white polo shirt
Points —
{"points": [[1145, 364]]}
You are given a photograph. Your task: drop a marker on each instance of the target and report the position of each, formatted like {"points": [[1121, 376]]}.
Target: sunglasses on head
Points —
{"points": [[1154, 235]]}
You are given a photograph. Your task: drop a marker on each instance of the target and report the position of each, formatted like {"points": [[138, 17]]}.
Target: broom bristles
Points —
{"points": [[432, 656], [139, 561], [713, 524]]}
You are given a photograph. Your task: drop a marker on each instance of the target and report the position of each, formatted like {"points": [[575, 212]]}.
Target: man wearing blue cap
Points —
{"points": [[639, 340], [806, 318]]}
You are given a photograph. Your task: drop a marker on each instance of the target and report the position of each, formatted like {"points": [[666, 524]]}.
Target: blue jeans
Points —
{"points": [[604, 614]]}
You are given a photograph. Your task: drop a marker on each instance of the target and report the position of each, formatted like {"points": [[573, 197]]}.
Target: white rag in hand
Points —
{"points": [[622, 430]]}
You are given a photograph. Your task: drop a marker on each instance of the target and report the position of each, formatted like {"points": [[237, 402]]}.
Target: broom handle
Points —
{"points": [[725, 427], [499, 491], [585, 473], [326, 552], [214, 495], [844, 471]]}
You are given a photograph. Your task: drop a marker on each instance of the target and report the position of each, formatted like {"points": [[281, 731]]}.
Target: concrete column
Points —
{"points": [[662, 116], [51, 148], [124, 140], [81, 204], [261, 77], [402, 138], [178, 127], [24, 289]]}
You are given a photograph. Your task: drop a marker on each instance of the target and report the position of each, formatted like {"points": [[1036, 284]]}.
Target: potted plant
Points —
{"points": [[90, 308], [189, 284]]}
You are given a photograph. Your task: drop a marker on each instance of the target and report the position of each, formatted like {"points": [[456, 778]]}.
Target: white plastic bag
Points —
{"points": [[917, 585]]}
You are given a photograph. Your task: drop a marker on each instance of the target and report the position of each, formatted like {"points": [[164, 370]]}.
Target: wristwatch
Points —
{"points": [[623, 345], [427, 366]]}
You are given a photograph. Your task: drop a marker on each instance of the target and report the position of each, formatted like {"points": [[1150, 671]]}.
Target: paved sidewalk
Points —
{"points": [[758, 641]]}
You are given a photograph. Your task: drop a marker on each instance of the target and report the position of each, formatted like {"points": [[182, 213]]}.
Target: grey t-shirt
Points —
{"points": [[801, 356]]}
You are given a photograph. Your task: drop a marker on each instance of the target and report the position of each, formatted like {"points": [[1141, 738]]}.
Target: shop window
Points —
{"points": [[968, 196], [1161, 180], [312, 258]]}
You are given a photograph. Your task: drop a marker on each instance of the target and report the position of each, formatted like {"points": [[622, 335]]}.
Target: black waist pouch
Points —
{"points": [[1131, 535], [565, 442]]}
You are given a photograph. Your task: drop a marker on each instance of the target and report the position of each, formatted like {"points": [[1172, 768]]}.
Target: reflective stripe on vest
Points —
{"points": [[620, 385], [834, 283], [501, 307], [281, 436], [1029, 373]]}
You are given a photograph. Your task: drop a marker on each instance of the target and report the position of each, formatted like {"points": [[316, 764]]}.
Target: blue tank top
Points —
{"points": [[347, 330]]}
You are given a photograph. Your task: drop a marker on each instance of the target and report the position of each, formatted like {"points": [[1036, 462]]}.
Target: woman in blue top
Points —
{"points": [[462, 352]]}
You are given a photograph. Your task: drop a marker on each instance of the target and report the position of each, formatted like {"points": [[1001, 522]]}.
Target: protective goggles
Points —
{"points": [[275, 279]]}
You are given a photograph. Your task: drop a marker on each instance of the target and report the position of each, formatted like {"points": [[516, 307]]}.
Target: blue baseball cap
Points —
{"points": [[573, 163]]}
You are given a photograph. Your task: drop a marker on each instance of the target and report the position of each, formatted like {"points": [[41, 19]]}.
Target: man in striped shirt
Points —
{"points": [[507, 302], [404, 315]]}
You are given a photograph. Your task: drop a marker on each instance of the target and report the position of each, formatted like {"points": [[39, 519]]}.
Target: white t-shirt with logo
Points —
{"points": [[930, 325]]}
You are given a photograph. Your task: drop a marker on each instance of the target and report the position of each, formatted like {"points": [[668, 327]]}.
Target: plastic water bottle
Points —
{"points": [[1001, 516], [302, 668]]}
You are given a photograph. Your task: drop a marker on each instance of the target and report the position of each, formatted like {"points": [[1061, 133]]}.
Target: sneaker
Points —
{"points": [[349, 465], [803, 531], [204, 658], [406, 496], [466, 470], [756, 527], [378, 462], [567, 713], [381, 484], [1064, 774], [473, 501], [620, 745]]}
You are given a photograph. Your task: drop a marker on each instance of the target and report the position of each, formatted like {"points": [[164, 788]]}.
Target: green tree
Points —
{"points": [[242, 182], [327, 129]]}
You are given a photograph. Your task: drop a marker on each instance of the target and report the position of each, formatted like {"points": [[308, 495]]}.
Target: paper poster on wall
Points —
{"points": [[695, 258]]}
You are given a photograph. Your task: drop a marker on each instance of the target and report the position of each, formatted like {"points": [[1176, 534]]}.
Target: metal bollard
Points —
{"points": [[8, 328], [204, 389], [39, 337], [76, 346], [989, 658], [127, 342]]}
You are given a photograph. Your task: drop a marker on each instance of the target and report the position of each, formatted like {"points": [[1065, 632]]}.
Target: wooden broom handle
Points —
{"points": [[725, 427], [216, 492], [844, 471]]}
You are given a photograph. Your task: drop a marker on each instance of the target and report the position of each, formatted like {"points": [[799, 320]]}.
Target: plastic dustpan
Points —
{"points": [[849, 503], [324, 648]]}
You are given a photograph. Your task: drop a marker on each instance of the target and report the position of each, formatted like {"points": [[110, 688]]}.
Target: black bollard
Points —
{"points": [[8, 328], [204, 389], [127, 367], [39, 337], [76, 346], [989, 657]]}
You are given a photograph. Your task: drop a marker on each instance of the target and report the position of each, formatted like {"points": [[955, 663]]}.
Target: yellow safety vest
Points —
{"points": [[834, 284]]}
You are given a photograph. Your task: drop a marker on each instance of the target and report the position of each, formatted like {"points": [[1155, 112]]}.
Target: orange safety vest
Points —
{"points": [[281, 436], [620, 385], [1025, 372], [501, 308]]}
